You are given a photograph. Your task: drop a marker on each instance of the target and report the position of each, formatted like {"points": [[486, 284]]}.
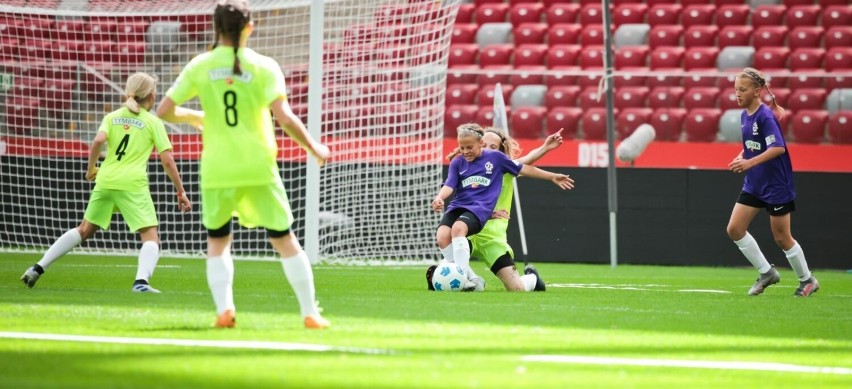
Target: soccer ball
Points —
{"points": [[448, 277]]}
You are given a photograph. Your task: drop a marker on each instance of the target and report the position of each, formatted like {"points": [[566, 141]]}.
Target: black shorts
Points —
{"points": [[464, 216], [773, 209]]}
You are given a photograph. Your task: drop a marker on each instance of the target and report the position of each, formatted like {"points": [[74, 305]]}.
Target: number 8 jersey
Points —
{"points": [[239, 146], [130, 140]]}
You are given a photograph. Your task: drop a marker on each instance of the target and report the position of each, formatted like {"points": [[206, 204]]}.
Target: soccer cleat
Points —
{"points": [[539, 283], [316, 322], [764, 281], [807, 288], [429, 272], [227, 319], [141, 286], [30, 277], [469, 286], [479, 284]]}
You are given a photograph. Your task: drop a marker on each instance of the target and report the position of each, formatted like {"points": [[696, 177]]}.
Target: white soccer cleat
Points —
{"points": [[144, 288], [30, 277]]}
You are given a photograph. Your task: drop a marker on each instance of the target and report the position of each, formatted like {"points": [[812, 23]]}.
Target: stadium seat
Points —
{"points": [[530, 33], [461, 94], [697, 80], [528, 96], [771, 58], [566, 76], [782, 96], [838, 59], [803, 15], [806, 58], [67, 50], [769, 36], [732, 15], [806, 79], [697, 14], [486, 114], [629, 13], [99, 29], [665, 35], [631, 97], [628, 119], [837, 82], [495, 74], [589, 98], [839, 100], [700, 58], [840, 36], [464, 33], [560, 13], [9, 49], [58, 94], [661, 80], [628, 79], [493, 34], [36, 49], [463, 54], [526, 13], [734, 36], [590, 14], [459, 74], [69, 29], [465, 13], [728, 99], [559, 34], [592, 34], [730, 129], [837, 16], [591, 57], [840, 128], [530, 55], [768, 15], [631, 35], [701, 97], [562, 55], [665, 97], [528, 75], [131, 31], [129, 53], [668, 123], [485, 94], [496, 55], [22, 114], [664, 14], [590, 80], [666, 57], [701, 124], [631, 56], [527, 122], [808, 126], [735, 58], [805, 36], [37, 27], [807, 98], [561, 96], [700, 36], [565, 118], [457, 115], [593, 123], [491, 13]]}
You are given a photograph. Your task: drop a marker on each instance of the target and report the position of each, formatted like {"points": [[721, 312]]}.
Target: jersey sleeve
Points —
{"points": [[275, 86], [453, 173], [183, 89], [771, 132], [510, 166], [104, 127], [161, 138]]}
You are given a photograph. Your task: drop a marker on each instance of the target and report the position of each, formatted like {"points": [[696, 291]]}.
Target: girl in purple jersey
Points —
{"points": [[768, 185], [476, 179]]}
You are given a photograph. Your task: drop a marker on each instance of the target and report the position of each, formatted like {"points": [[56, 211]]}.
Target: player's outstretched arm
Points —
{"points": [[168, 111], [94, 155], [294, 128], [561, 180], [552, 142], [169, 165]]}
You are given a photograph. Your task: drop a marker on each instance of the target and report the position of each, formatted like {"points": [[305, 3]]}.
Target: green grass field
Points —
{"points": [[691, 327]]}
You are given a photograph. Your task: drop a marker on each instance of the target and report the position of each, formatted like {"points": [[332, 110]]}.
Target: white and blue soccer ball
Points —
{"points": [[448, 277]]}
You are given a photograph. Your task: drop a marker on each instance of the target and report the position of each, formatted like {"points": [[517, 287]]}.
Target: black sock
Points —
{"points": [[38, 269], [140, 282]]}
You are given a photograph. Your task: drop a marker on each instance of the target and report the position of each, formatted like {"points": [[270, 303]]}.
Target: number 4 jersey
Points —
{"points": [[239, 146], [130, 140]]}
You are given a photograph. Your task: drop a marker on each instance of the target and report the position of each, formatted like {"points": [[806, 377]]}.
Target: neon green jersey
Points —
{"points": [[130, 140], [495, 229], [239, 146]]}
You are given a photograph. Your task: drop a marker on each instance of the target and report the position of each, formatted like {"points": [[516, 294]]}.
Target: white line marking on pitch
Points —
{"points": [[647, 287], [234, 344], [118, 265], [692, 364]]}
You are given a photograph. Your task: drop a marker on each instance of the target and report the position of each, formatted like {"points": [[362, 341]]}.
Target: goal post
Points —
{"points": [[382, 78]]}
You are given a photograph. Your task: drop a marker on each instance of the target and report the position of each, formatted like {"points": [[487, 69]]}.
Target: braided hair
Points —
{"points": [[759, 80], [229, 19]]}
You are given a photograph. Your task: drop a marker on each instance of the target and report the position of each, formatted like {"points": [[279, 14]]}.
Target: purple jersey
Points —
{"points": [[771, 181], [477, 184]]}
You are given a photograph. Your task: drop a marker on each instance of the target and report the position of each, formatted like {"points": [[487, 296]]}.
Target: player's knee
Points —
{"points": [[735, 232]]}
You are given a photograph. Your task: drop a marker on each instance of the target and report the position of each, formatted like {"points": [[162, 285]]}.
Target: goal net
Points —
{"points": [[63, 65]]}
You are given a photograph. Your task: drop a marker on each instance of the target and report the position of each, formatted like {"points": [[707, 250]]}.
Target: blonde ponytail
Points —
{"points": [[139, 87], [759, 80]]}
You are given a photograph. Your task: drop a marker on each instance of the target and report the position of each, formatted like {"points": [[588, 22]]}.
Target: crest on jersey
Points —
{"points": [[488, 167], [754, 129]]}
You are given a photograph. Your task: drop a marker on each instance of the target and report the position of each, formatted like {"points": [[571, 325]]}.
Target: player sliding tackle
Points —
{"points": [[471, 178]]}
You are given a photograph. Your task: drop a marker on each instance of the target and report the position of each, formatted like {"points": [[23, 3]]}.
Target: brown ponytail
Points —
{"points": [[229, 19], [759, 80]]}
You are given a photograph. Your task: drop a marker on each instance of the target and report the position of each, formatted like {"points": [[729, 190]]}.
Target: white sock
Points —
{"points": [[220, 279], [461, 253], [448, 254], [796, 257], [298, 271], [752, 252], [149, 254], [63, 245], [529, 281]]}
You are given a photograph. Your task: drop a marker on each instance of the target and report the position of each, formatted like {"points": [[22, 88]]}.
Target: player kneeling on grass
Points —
{"points": [[472, 179], [491, 244], [121, 183]]}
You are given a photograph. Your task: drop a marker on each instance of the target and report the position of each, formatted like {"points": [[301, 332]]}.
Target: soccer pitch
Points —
{"points": [[634, 326]]}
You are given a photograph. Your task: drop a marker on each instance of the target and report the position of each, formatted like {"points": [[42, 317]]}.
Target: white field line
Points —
{"points": [[118, 265], [646, 287], [232, 344], [689, 364]]}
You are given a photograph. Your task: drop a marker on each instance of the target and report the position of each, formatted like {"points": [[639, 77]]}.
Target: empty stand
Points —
{"points": [[668, 123], [840, 127], [808, 126], [701, 124]]}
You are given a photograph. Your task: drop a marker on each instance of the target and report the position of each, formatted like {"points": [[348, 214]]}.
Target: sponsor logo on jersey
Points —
{"points": [[770, 139], [476, 182], [228, 74], [752, 145], [128, 122]]}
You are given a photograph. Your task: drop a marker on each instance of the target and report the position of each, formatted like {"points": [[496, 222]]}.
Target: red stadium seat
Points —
{"points": [[563, 77], [560, 13], [769, 36], [782, 95], [837, 16], [665, 81], [665, 35], [728, 99], [563, 55], [665, 97], [528, 122], [129, 53], [589, 98], [805, 36], [664, 14], [593, 123], [591, 14], [561, 96], [69, 29], [459, 74], [461, 94], [631, 56], [592, 34], [99, 29], [529, 75], [27, 87], [840, 127], [735, 36], [629, 119], [700, 58], [768, 15], [495, 74], [629, 13], [9, 49], [526, 13], [530, 33], [592, 80], [806, 58], [805, 80], [465, 13], [485, 94], [500, 54], [668, 123], [464, 33], [591, 57], [22, 114], [565, 118], [808, 126], [67, 50], [530, 55], [702, 124], [699, 14], [36, 49], [628, 79], [700, 36], [840, 36], [697, 80], [835, 82], [771, 58], [666, 57], [491, 13], [838, 59], [564, 34], [457, 115], [631, 97], [58, 94], [701, 97], [37, 27], [807, 98], [131, 31], [463, 54], [732, 15], [803, 15]]}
